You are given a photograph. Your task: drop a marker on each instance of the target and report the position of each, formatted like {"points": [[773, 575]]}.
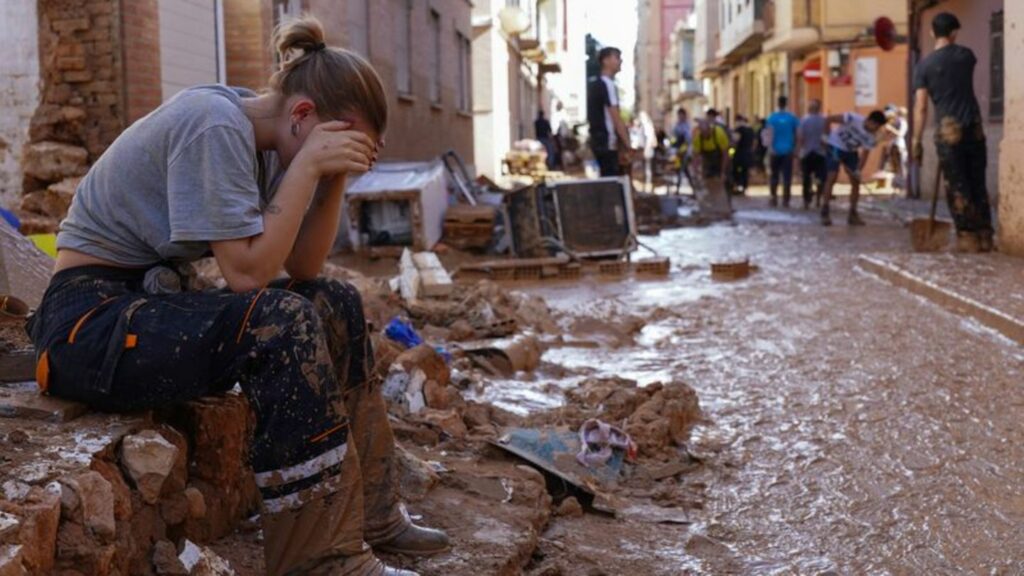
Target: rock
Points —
{"points": [[174, 508], [415, 477], [435, 395], [476, 415], [461, 330], [569, 508], [148, 457], [448, 421], [95, 497], [40, 519], [166, 561], [15, 490], [122, 493], [11, 560], [428, 360], [9, 527], [196, 503], [53, 161]]}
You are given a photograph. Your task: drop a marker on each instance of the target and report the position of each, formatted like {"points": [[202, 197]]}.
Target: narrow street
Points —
{"points": [[852, 427]]}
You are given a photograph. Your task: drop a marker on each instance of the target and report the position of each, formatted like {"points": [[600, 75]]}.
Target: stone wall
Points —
{"points": [[19, 91]]}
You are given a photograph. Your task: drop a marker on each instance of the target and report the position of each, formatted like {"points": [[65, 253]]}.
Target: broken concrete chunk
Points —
{"points": [[9, 524], [148, 457], [93, 503], [38, 534], [166, 561], [196, 502], [415, 477], [11, 560], [201, 561], [569, 508]]}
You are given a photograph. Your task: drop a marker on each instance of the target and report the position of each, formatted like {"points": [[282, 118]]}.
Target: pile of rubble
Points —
{"points": [[99, 494]]}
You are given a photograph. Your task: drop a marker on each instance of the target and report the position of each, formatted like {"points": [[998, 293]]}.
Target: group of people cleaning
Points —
{"points": [[717, 158], [823, 145]]}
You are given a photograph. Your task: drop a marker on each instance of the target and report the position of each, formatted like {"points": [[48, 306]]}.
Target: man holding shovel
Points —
{"points": [[946, 76], [848, 146]]}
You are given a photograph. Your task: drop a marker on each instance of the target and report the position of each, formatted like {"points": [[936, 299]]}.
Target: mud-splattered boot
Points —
{"points": [[826, 219], [364, 564], [854, 219], [416, 541]]}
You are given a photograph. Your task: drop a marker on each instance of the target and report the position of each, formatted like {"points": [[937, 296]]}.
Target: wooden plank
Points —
{"points": [[18, 366], [516, 263]]}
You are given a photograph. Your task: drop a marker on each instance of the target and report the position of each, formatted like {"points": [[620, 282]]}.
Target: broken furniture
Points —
{"points": [[397, 205]]}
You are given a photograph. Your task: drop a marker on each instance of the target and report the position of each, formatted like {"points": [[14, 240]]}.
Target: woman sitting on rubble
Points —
{"points": [[257, 181]]}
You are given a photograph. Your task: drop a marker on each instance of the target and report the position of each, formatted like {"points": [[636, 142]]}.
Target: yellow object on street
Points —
{"points": [[45, 242]]}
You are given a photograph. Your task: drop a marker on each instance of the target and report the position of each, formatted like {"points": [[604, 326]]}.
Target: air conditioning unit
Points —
{"points": [[590, 218]]}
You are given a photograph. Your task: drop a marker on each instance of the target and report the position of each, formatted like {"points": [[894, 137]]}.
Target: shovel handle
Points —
{"points": [[935, 199]]}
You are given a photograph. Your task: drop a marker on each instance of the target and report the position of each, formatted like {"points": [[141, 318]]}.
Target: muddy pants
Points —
{"points": [[322, 449], [963, 160], [813, 167]]}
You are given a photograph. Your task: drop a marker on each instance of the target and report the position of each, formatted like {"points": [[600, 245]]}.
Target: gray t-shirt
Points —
{"points": [[812, 133], [183, 176]]}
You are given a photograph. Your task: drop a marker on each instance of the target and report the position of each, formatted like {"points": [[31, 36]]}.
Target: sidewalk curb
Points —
{"points": [[1007, 325]]}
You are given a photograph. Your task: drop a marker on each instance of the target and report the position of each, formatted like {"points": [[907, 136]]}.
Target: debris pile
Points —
{"points": [[106, 494]]}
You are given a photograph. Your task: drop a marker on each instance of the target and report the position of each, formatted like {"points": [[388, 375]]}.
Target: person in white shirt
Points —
{"points": [[850, 139]]}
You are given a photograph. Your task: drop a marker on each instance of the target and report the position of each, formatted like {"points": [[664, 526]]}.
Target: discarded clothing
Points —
{"points": [[597, 441]]}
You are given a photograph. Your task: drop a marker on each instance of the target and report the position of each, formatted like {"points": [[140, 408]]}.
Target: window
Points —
{"points": [[995, 97], [435, 54], [465, 62], [403, 48]]}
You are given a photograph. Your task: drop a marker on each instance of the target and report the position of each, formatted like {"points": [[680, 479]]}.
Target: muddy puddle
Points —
{"points": [[853, 428]]}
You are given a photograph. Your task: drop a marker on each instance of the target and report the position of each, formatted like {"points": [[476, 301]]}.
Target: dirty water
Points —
{"points": [[853, 427]]}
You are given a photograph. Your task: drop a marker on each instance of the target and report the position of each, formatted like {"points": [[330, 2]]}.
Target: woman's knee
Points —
{"points": [[280, 314]]}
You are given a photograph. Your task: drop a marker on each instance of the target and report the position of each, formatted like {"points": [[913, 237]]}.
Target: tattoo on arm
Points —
{"points": [[272, 209]]}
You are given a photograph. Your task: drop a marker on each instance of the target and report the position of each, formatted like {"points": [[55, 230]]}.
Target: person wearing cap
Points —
{"points": [[946, 76]]}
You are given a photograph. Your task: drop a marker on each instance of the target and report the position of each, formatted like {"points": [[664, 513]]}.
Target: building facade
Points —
{"points": [[528, 55], [422, 51], [661, 37]]}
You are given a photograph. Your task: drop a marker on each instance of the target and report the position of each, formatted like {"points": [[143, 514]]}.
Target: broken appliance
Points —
{"points": [[588, 218], [397, 205]]}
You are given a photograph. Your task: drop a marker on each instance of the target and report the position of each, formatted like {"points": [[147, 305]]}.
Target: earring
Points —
{"points": [[295, 130]]}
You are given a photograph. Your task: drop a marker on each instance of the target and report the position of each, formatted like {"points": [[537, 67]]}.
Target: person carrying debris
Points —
{"points": [[711, 161], [257, 181], [946, 76], [609, 138], [849, 144]]}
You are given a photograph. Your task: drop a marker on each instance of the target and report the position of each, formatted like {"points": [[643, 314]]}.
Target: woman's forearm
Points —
{"points": [[318, 231], [249, 263]]}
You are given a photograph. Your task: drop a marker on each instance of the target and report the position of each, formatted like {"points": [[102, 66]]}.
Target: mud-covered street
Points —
{"points": [[852, 427]]}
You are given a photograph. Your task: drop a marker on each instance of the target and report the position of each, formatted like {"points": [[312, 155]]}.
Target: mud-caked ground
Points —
{"points": [[808, 419], [851, 427]]}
